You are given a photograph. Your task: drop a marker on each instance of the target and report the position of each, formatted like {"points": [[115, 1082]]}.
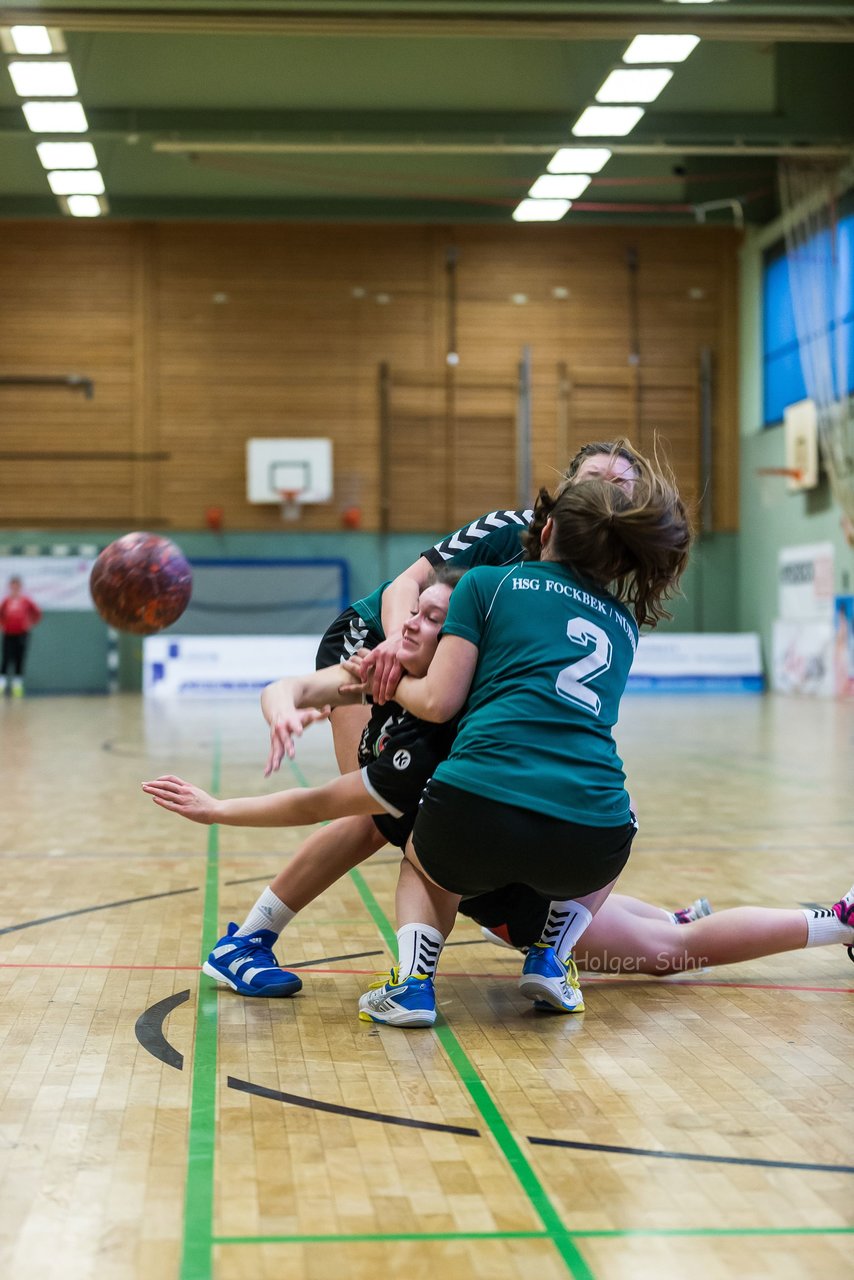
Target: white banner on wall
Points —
{"points": [[221, 666], [805, 582], [715, 662], [54, 582]]}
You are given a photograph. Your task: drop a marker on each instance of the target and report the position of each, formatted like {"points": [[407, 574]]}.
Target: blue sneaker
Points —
{"points": [[411, 1003], [248, 965], [551, 982]]}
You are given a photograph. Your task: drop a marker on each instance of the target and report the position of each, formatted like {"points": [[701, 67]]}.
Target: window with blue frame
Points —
{"points": [[784, 381]]}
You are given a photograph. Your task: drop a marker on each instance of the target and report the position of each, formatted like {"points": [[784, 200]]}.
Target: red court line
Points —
{"points": [[507, 977]]}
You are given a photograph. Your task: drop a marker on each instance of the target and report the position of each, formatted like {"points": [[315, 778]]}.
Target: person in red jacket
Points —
{"points": [[18, 615]]}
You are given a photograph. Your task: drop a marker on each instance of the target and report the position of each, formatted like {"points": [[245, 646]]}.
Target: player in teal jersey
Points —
{"points": [[533, 790], [374, 622]]}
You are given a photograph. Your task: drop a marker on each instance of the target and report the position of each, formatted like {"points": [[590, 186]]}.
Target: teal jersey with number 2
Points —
{"points": [[553, 660]]}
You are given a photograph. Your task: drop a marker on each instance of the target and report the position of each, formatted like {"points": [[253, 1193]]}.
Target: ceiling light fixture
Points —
{"points": [[559, 186], [633, 85], [55, 117], [540, 210], [605, 122], [31, 40], [76, 182], [84, 206], [660, 48], [67, 155], [579, 160], [43, 79]]}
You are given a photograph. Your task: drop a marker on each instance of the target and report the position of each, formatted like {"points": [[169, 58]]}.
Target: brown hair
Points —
{"points": [[445, 575], [634, 545]]}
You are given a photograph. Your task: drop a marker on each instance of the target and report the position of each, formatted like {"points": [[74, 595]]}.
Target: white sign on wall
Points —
{"points": [[805, 582], [714, 662], [54, 582], [221, 666]]}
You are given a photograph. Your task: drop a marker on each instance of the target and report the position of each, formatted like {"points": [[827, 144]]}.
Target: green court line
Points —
{"points": [[480, 1096], [650, 1232], [373, 1238], [197, 1251]]}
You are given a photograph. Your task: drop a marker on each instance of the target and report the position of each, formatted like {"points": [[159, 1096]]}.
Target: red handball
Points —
{"points": [[141, 583]]}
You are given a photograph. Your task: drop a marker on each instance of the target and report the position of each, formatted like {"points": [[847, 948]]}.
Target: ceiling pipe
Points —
{"points": [[709, 206], [494, 147]]}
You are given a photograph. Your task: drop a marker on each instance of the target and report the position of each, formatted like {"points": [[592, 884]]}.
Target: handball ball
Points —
{"points": [[141, 583]]}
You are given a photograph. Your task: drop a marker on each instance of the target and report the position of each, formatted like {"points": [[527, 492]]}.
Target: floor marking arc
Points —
{"points": [[355, 1113], [752, 1162]]}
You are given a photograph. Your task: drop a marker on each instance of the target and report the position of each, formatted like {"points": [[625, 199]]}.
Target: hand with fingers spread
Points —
{"points": [[182, 797], [387, 672], [283, 730]]}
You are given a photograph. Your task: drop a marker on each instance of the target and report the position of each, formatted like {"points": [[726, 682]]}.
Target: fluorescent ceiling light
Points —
{"points": [[76, 182], [605, 122], [634, 85], [55, 117], [31, 40], [540, 210], [48, 79], [84, 206], [67, 155], [559, 186], [579, 160], [660, 48]]}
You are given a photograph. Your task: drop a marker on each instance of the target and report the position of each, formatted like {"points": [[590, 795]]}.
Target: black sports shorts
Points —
{"points": [[469, 845], [345, 636]]}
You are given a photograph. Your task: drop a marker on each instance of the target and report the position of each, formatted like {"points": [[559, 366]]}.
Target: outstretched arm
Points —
{"points": [[339, 798], [294, 702]]}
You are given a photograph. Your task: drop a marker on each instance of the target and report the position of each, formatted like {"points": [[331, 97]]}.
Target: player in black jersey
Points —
{"points": [[371, 806]]}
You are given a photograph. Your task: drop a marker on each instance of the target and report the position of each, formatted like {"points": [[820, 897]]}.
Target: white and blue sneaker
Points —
{"points": [[248, 966], [411, 1003], [550, 982]]}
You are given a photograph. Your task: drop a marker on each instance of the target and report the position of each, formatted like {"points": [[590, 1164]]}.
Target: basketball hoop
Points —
{"points": [[289, 500], [768, 488]]}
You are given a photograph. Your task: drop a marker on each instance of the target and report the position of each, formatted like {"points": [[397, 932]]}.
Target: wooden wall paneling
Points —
{"points": [[200, 336], [65, 308]]}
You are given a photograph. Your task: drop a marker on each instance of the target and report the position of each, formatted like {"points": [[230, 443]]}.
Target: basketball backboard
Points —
{"points": [[302, 467]]}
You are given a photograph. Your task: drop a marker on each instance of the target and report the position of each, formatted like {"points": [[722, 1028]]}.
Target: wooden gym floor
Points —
{"points": [[151, 1128]]}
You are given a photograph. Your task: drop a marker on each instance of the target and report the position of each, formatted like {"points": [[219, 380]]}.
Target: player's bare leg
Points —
{"points": [[620, 941], [347, 725], [425, 916]]}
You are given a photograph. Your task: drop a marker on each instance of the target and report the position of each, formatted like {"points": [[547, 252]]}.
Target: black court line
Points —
{"points": [[309, 964], [149, 1030], [85, 911], [245, 1086], [692, 1155]]}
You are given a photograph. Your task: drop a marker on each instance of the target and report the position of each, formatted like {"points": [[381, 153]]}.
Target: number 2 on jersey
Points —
{"points": [[572, 680]]}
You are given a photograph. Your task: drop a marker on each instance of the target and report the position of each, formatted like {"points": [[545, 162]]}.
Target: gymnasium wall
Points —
{"points": [[198, 337], [770, 517]]}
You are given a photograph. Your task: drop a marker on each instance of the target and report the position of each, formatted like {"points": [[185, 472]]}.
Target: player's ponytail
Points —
{"points": [[635, 545]]}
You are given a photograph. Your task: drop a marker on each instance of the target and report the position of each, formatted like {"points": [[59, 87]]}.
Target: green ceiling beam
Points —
{"points": [[757, 20]]}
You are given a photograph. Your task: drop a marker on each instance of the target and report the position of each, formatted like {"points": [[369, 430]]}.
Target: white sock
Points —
{"points": [[567, 921], [418, 949], [824, 925], [269, 912]]}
